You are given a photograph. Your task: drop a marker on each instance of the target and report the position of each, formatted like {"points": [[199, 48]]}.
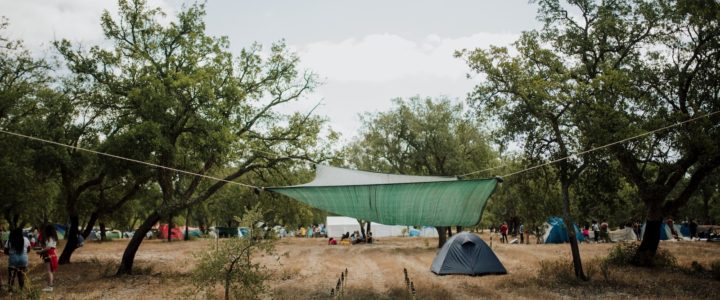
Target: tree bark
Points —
{"points": [[91, 223], [458, 229], [368, 228], [71, 237], [362, 228], [442, 235], [102, 231], [169, 229], [569, 225], [128, 257], [187, 221], [649, 245]]}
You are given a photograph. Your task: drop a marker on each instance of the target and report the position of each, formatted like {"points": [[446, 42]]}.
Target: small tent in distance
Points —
{"points": [[466, 254], [337, 226], [556, 232]]}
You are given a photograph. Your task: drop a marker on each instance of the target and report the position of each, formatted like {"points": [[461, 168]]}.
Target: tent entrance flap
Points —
{"points": [[395, 199]]}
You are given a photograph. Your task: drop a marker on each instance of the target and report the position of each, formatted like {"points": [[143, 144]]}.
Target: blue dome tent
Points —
{"points": [[556, 233], [466, 254]]}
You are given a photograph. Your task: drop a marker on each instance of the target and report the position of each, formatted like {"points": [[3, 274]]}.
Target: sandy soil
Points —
{"points": [[308, 268]]}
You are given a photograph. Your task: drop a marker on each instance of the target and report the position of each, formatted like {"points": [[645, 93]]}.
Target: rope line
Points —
{"points": [[612, 144], [484, 170], [126, 159]]}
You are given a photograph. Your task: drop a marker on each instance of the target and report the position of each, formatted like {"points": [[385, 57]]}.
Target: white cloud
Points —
{"points": [[38, 22], [383, 57]]}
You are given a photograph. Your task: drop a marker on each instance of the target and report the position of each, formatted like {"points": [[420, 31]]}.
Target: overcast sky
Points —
{"points": [[365, 52]]}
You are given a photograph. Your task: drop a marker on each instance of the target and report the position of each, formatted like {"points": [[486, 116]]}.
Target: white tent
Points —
{"points": [[337, 226], [625, 234]]}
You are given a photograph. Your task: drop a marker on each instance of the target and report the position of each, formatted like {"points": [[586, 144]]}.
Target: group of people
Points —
{"points": [[312, 231], [352, 239], [18, 247]]}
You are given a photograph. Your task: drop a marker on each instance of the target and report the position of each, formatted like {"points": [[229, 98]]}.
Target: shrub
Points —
{"points": [[230, 263], [715, 269], [555, 272], [626, 253]]}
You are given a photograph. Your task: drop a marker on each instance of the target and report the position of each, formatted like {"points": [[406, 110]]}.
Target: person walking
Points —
{"points": [[48, 242], [17, 248]]}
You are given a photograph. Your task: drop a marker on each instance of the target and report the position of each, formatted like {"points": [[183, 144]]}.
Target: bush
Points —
{"points": [[626, 253], [555, 272], [229, 263], [715, 269]]}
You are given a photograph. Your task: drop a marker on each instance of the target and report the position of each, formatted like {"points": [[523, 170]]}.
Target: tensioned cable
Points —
{"points": [[613, 143], [484, 170], [127, 159]]}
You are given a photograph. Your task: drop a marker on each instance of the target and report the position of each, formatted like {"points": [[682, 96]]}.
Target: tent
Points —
{"points": [[665, 233], [467, 254], [425, 231], [395, 199], [556, 233], [337, 226], [625, 234]]}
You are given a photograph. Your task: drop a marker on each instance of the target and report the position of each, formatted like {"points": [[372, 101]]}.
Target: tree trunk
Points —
{"points": [[128, 257], [449, 231], [169, 229], [71, 237], [15, 220], [91, 223], [649, 245], [187, 221], [442, 235], [458, 229], [368, 228], [227, 287], [362, 228], [569, 225], [102, 231]]}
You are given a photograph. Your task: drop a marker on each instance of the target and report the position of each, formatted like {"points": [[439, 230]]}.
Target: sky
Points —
{"points": [[365, 52]]}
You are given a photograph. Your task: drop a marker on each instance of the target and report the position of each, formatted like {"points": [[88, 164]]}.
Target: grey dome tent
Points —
{"points": [[467, 254]]}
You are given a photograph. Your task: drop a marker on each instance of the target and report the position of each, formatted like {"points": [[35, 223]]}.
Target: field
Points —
{"points": [[308, 269]]}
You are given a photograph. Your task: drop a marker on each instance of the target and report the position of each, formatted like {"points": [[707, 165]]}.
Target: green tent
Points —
{"points": [[395, 199]]}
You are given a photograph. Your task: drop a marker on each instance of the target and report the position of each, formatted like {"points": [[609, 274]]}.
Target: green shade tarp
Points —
{"points": [[395, 199]]}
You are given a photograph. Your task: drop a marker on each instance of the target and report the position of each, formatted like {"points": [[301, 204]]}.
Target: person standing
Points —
{"points": [[586, 233], [17, 248], [604, 231], [48, 242], [521, 230], [503, 233], [596, 231]]}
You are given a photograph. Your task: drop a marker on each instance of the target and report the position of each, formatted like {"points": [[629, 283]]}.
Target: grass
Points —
{"points": [[308, 269]]}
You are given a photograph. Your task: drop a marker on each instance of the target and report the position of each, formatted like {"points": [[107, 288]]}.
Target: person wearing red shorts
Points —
{"points": [[49, 242]]}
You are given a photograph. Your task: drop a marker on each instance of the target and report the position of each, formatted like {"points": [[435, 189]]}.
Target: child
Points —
{"points": [[49, 242]]}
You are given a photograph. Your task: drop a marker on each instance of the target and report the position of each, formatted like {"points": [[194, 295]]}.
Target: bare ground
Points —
{"points": [[308, 269]]}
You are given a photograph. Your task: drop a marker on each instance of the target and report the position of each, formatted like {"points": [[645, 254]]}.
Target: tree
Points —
{"points": [[24, 85], [184, 97], [534, 98], [642, 66], [421, 136]]}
